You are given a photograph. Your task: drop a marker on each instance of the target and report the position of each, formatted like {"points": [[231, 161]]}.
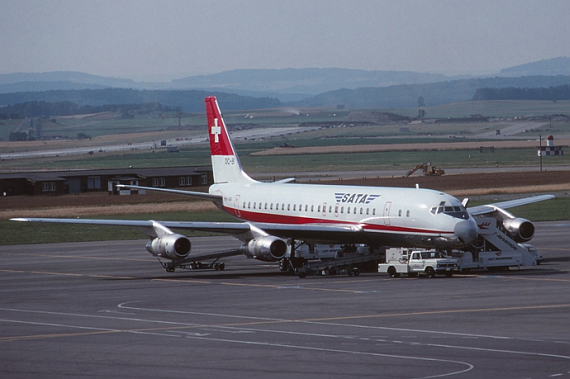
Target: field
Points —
{"points": [[335, 147], [98, 125], [322, 150], [338, 147], [487, 187]]}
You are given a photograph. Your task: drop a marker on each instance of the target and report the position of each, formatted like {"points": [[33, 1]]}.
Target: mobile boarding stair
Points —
{"points": [[495, 250]]}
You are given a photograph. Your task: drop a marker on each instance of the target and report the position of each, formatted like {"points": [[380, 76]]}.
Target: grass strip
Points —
{"points": [[16, 233]]}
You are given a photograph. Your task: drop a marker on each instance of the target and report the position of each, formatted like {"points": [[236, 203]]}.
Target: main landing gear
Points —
{"points": [[349, 264], [172, 266]]}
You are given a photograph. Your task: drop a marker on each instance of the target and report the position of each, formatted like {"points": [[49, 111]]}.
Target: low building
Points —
{"points": [[80, 181]]}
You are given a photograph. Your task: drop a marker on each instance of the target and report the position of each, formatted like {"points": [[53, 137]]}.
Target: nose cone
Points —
{"points": [[466, 231]]}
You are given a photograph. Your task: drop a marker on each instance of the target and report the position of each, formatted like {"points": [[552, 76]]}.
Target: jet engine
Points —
{"points": [[267, 249], [519, 229], [171, 246]]}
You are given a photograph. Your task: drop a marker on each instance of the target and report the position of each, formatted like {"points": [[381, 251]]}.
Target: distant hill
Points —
{"points": [[249, 89], [406, 96], [308, 81], [286, 83], [64, 76], [188, 101], [400, 96], [46, 86], [549, 67]]}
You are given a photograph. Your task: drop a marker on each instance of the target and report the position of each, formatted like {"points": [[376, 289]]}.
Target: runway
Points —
{"points": [[108, 309]]}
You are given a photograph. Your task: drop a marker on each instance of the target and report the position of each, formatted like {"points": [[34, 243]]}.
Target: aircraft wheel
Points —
{"points": [[283, 264], [302, 275], [356, 271], [222, 266], [170, 269]]}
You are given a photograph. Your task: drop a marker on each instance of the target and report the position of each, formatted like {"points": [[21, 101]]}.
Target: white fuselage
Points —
{"points": [[386, 216], [371, 215]]}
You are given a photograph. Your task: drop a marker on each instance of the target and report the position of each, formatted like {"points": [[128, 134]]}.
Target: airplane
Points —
{"points": [[275, 217]]}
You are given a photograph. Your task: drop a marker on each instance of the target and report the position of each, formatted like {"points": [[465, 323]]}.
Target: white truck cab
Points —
{"points": [[414, 262]]}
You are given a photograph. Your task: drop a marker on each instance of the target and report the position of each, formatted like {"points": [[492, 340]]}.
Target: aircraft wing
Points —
{"points": [[202, 195], [324, 232], [219, 227], [313, 232], [489, 208]]}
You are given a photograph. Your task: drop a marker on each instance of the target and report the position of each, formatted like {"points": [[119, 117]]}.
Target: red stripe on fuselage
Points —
{"points": [[299, 220]]}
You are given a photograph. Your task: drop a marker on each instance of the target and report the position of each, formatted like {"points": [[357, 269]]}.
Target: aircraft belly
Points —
{"points": [[411, 239], [377, 238]]}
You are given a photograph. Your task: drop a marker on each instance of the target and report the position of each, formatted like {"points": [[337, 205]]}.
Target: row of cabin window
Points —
{"points": [[318, 208]]}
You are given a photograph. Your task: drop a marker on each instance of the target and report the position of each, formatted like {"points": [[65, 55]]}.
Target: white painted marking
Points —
{"points": [[499, 351], [114, 312], [202, 336], [100, 317], [361, 327], [216, 130], [320, 349], [59, 325]]}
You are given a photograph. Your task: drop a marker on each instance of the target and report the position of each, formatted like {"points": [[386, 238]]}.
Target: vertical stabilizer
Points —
{"points": [[225, 162]]}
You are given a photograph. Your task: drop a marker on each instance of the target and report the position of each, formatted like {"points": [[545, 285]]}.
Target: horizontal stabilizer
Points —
{"points": [[202, 195]]}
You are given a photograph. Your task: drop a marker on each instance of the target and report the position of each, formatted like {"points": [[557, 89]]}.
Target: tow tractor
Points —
{"points": [[196, 262], [311, 259]]}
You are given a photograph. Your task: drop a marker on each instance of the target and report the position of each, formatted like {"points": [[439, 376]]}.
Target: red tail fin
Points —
{"points": [[220, 143], [225, 162]]}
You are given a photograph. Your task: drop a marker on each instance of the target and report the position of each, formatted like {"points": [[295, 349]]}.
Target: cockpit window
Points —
{"points": [[453, 211]]}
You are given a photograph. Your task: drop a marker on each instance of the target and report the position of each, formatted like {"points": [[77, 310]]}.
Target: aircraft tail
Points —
{"points": [[225, 162]]}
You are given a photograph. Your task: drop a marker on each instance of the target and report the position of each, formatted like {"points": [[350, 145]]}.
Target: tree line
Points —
{"points": [[186, 100], [512, 93], [68, 108]]}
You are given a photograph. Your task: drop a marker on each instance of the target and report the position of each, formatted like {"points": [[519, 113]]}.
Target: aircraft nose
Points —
{"points": [[466, 231]]}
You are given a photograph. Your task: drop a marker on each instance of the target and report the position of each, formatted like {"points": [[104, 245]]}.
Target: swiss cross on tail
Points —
{"points": [[226, 166], [216, 130], [219, 141]]}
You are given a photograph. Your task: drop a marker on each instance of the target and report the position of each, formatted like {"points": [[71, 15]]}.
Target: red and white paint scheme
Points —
{"points": [[276, 215], [378, 216]]}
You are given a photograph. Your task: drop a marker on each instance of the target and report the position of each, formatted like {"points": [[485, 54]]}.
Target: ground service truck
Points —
{"points": [[494, 250], [413, 262]]}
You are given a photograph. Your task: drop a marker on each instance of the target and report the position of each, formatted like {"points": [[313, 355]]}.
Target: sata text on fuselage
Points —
{"points": [[355, 198]]}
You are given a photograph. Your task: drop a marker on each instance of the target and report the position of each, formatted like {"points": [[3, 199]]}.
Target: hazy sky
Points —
{"points": [[172, 39]]}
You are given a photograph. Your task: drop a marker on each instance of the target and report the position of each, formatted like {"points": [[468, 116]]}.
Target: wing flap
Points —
{"points": [[216, 227], [325, 233], [312, 232]]}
